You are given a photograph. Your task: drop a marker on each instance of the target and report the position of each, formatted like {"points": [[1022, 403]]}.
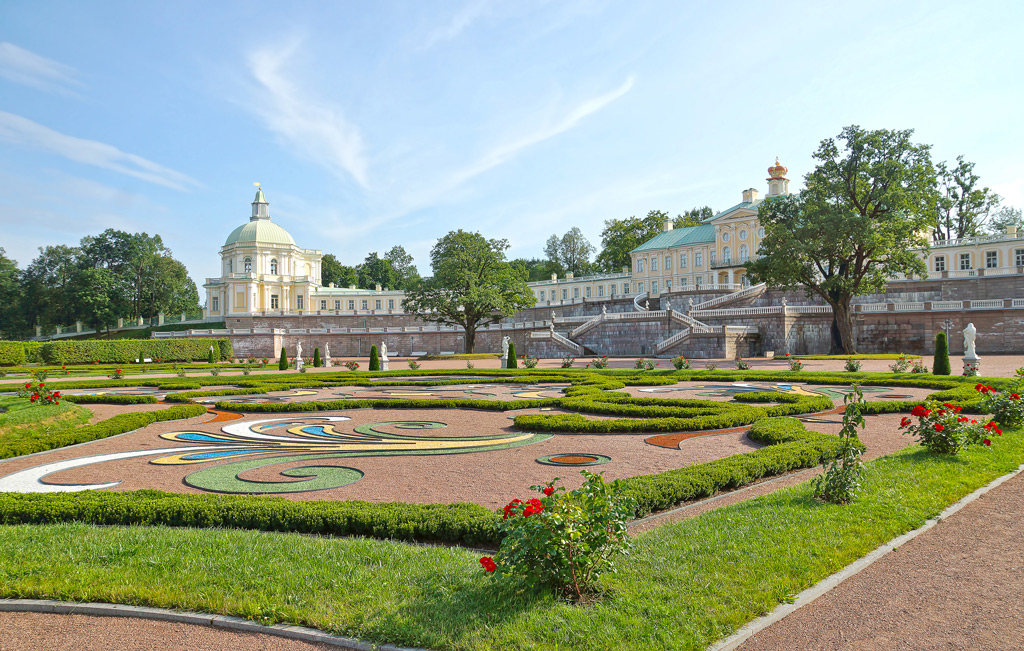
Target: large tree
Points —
{"points": [[537, 268], [620, 236], [571, 252], [472, 285], [12, 321], [862, 219], [376, 270], [1004, 217], [332, 271], [405, 270], [962, 207]]}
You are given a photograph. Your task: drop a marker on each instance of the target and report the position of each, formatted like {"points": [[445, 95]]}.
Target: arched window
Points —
{"points": [[744, 253], [726, 254], [230, 265], [247, 265], [273, 266]]}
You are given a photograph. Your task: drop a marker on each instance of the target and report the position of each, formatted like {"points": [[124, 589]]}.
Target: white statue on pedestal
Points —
{"points": [[504, 351], [604, 310], [668, 306], [327, 355], [298, 356], [384, 356], [970, 332]]}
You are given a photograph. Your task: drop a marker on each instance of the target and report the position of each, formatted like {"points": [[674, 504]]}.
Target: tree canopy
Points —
{"points": [[620, 236], [962, 207], [1004, 217], [570, 253], [472, 285], [865, 214]]}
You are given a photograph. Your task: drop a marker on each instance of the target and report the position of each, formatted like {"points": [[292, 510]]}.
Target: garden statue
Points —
{"points": [[668, 306], [383, 356], [970, 332], [647, 304], [298, 356], [604, 310], [504, 351], [327, 355]]}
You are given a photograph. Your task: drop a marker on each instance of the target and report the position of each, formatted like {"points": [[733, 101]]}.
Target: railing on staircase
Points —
{"points": [[686, 320], [678, 337], [735, 296], [558, 339], [636, 302]]}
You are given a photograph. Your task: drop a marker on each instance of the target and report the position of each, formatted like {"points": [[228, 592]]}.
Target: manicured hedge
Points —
{"points": [[12, 353], [100, 399], [126, 350], [109, 427], [468, 524]]}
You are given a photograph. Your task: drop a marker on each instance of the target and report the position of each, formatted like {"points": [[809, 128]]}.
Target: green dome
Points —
{"points": [[262, 231]]}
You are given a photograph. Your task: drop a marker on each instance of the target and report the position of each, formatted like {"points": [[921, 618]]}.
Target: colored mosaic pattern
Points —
{"points": [[574, 459]]}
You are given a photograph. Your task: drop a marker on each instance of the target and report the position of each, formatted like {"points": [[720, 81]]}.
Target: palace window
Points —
{"points": [[760, 232], [273, 302], [565, 294], [587, 294], [376, 304], [298, 302], [682, 283], [351, 305], [611, 287], [725, 236], [640, 288], [668, 285], [323, 305], [726, 254], [743, 235], [744, 253], [575, 292], [697, 281], [991, 259], [600, 290], [965, 261], [215, 304], [391, 303], [273, 266], [1018, 257], [654, 264], [366, 305], [654, 286], [640, 265], [247, 265], [230, 265], [698, 259], [542, 294], [337, 305], [682, 261], [940, 263]]}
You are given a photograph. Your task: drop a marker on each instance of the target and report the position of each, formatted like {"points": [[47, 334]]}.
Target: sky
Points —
{"points": [[371, 124]]}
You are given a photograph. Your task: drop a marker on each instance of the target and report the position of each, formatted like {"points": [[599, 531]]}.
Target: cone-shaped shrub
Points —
{"points": [[210, 358], [316, 358], [374, 359], [940, 365], [512, 354], [282, 364]]}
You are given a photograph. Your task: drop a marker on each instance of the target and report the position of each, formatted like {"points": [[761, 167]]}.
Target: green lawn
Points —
{"points": [[24, 420], [685, 585]]}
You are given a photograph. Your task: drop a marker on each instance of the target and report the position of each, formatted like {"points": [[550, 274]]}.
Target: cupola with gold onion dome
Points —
{"points": [[260, 230], [778, 184]]}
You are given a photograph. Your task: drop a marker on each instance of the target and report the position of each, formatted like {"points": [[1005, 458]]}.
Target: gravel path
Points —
{"points": [[956, 586]]}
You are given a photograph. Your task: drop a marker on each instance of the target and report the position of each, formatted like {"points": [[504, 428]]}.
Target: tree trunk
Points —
{"points": [[836, 343], [470, 338], [844, 320]]}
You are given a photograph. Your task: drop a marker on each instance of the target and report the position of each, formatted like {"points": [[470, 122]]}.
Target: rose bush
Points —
{"points": [[565, 539], [941, 428], [1007, 408]]}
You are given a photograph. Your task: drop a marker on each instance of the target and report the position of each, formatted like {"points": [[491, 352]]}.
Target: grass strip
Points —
{"points": [[685, 585], [38, 441]]}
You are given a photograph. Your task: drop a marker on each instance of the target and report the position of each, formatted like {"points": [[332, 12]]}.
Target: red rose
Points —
{"points": [[939, 427], [28, 385], [919, 411], [906, 421], [988, 442], [511, 507], [548, 490], [488, 564], [979, 387]]}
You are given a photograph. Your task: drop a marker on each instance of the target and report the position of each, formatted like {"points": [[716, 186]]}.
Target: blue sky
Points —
{"points": [[375, 124]]}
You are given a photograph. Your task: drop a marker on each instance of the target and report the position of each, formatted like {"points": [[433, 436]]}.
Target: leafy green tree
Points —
{"points": [[1004, 217], [95, 295], [332, 271], [620, 236], [472, 285], [12, 320], [862, 219], [377, 271], [962, 207], [536, 268], [571, 252], [402, 264], [47, 286]]}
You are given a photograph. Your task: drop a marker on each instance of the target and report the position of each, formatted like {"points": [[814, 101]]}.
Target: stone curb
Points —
{"points": [[810, 594], [301, 633]]}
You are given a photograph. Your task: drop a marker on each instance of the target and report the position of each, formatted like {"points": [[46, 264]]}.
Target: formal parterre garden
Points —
{"points": [[397, 506]]}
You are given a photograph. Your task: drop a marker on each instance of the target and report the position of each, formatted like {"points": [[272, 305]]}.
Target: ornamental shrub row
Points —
{"points": [[117, 351], [100, 399], [116, 425], [468, 524], [12, 353]]}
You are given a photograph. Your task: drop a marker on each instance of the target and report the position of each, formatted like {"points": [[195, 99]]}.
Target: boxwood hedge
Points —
{"points": [[116, 351]]}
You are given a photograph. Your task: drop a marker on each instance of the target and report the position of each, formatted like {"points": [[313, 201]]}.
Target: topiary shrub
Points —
{"points": [[940, 365], [316, 358], [210, 357], [282, 364], [374, 359], [512, 355]]}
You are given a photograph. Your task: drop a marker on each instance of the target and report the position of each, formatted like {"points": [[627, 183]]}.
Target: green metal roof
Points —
{"points": [[262, 231], [701, 234], [750, 205]]}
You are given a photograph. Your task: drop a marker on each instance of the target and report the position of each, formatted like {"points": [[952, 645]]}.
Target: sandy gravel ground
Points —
{"points": [[47, 632], [956, 586]]}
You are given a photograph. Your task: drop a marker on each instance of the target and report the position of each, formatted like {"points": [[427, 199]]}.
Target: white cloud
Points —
{"points": [[24, 67], [469, 14], [506, 151], [317, 129], [26, 133]]}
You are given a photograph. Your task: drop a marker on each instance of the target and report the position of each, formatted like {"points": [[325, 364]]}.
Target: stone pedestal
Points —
{"points": [[138, 321], [504, 361], [78, 326], [160, 318], [39, 331], [972, 366], [120, 323], [298, 363], [384, 364]]}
